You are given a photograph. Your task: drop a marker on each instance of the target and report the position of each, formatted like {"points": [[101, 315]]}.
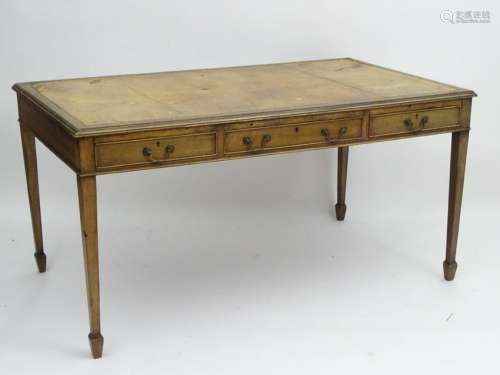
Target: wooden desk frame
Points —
{"points": [[95, 154]]}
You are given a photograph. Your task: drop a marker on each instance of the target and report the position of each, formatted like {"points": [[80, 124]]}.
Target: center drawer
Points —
{"points": [[154, 150], [282, 137]]}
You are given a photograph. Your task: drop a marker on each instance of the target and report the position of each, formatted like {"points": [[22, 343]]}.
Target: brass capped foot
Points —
{"points": [[41, 261], [96, 341], [449, 270], [340, 211]]}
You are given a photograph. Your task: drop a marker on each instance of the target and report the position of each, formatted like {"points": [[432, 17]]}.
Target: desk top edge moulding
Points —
{"points": [[114, 104], [113, 124]]}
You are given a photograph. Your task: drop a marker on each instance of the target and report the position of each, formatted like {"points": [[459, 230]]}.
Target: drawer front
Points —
{"points": [[282, 137], [155, 150], [409, 122]]}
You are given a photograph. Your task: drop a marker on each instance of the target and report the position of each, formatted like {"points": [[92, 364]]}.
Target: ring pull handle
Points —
{"points": [[423, 121], [342, 131], [326, 133], [169, 149], [408, 123], [266, 138], [147, 152], [247, 140]]}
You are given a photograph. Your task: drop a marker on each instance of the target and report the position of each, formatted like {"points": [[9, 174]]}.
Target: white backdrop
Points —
{"points": [[241, 268]]}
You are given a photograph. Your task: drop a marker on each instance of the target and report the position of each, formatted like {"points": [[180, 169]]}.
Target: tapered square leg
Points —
{"points": [[459, 143], [30, 166], [340, 207], [87, 195]]}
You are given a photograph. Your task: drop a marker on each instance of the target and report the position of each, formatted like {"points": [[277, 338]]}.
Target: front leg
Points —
{"points": [[88, 216], [459, 143], [30, 165], [340, 207]]}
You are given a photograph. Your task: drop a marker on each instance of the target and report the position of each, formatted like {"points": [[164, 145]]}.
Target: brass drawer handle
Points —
{"points": [[147, 152], [266, 138], [169, 149], [408, 123], [423, 121], [247, 140], [326, 133]]}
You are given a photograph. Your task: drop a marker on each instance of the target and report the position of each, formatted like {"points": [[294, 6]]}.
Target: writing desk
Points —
{"points": [[123, 123]]}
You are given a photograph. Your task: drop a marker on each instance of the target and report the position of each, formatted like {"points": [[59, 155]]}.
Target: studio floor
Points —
{"points": [[252, 278]]}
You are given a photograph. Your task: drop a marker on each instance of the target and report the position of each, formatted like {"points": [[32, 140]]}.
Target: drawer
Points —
{"points": [[414, 121], [303, 134], [155, 150]]}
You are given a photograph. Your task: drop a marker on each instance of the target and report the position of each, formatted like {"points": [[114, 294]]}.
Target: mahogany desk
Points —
{"points": [[123, 123]]}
